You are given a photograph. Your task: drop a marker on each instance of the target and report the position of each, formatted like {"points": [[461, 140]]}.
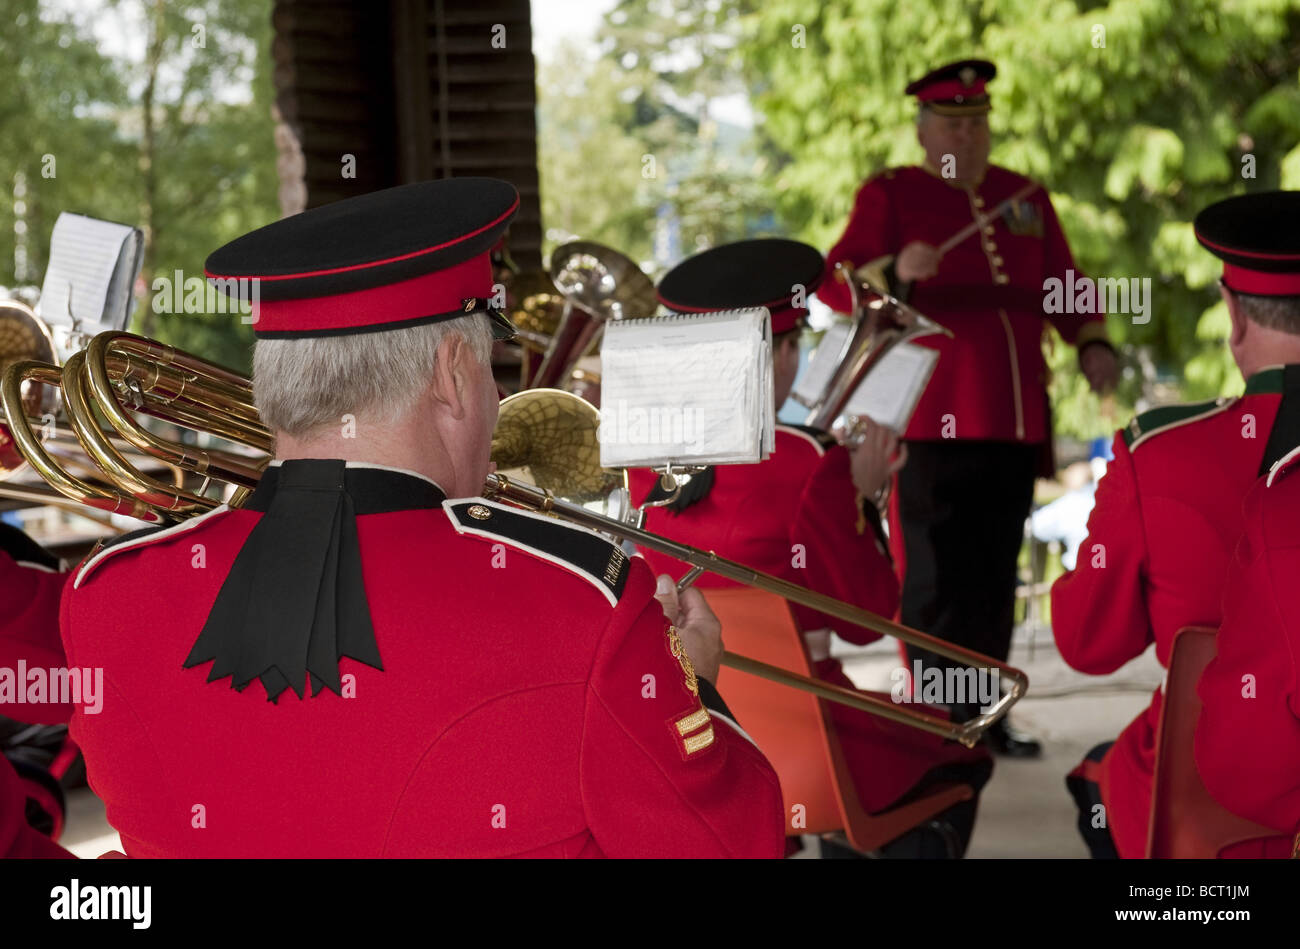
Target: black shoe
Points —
{"points": [[1011, 742]]}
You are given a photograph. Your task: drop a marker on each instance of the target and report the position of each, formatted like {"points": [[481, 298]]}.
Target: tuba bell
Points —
{"points": [[598, 284], [881, 321], [24, 336]]}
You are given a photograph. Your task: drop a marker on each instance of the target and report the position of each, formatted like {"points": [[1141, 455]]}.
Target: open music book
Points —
{"points": [[692, 389], [89, 281], [891, 390]]}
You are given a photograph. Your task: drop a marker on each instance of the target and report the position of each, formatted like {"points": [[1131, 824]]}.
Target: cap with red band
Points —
{"points": [[418, 253], [1256, 238], [768, 271], [955, 89]]}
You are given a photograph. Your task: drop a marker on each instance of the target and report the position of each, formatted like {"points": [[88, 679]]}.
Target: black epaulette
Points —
{"points": [[1168, 417], [579, 550], [823, 439], [22, 549]]}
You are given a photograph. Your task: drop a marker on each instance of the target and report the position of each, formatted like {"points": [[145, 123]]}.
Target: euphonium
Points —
{"points": [[879, 324]]}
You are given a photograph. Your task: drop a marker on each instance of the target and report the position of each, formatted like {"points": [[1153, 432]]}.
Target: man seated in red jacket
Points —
{"points": [[1168, 512], [815, 496], [30, 584], [1248, 734], [367, 659]]}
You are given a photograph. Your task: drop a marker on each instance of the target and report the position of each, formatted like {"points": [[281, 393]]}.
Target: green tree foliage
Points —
{"points": [[179, 141], [589, 162], [58, 135], [628, 136], [1136, 114]]}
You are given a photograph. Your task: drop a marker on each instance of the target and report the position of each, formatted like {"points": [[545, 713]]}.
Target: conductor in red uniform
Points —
{"points": [[1167, 516], [1248, 734], [979, 431], [815, 493], [367, 659]]}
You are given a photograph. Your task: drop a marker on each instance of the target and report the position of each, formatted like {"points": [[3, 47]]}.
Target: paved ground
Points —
{"points": [[1025, 810]]}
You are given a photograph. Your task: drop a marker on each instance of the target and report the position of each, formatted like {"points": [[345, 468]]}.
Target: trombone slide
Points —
{"points": [[968, 733]]}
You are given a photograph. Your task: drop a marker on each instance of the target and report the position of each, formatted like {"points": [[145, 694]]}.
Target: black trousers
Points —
{"points": [[1087, 798], [963, 506]]}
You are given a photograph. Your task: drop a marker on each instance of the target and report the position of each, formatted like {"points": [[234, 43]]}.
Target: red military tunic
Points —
{"points": [[1248, 735], [29, 632], [756, 515], [1166, 517], [989, 292], [530, 703]]}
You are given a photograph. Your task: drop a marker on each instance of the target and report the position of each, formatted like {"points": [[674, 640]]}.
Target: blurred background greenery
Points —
{"points": [[146, 129], [1183, 100]]}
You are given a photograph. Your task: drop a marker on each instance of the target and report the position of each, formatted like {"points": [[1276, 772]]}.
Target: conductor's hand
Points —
{"points": [[1100, 367], [876, 458], [699, 629], [917, 261]]}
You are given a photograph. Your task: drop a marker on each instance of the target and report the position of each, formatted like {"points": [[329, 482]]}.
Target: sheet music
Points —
{"points": [[93, 265], [891, 390], [688, 389], [822, 364]]}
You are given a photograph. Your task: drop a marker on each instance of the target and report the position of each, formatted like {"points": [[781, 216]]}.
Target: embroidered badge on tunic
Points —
{"points": [[1023, 218], [689, 729], [679, 653]]}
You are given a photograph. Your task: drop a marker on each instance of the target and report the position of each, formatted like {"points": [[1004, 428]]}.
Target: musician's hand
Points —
{"points": [[1100, 367], [917, 261], [699, 629], [875, 459]]}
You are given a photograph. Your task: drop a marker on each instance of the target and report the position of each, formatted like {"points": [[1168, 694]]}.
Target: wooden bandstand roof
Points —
{"points": [[412, 89]]}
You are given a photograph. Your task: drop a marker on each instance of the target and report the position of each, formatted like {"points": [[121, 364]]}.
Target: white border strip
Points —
{"points": [[1279, 465], [462, 528], [743, 734], [805, 436], [146, 539], [1222, 407]]}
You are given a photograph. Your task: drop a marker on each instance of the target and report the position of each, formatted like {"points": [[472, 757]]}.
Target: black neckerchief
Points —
{"points": [[294, 602]]}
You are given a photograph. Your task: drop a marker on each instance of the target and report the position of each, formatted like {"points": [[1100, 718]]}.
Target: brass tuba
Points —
{"points": [[598, 284]]}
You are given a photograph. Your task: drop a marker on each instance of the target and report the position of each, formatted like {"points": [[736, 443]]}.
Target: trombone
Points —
{"points": [[551, 435], [122, 373]]}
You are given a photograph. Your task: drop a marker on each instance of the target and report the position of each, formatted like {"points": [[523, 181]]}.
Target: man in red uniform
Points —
{"points": [[979, 430], [1165, 520], [813, 495], [30, 584], [1248, 734], [446, 676]]}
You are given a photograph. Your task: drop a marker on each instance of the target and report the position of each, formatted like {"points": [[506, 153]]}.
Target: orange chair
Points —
{"points": [[1186, 822], [793, 729]]}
